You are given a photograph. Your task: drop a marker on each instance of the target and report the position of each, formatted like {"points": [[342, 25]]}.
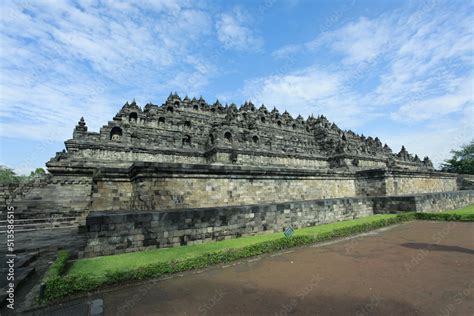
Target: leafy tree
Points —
{"points": [[8, 176], [39, 172], [462, 160]]}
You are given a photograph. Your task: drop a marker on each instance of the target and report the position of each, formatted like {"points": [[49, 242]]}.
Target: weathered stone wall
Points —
{"points": [[379, 182], [408, 183], [371, 183], [437, 202], [183, 192], [125, 159], [64, 196], [257, 159], [154, 186], [424, 202], [111, 195], [111, 233], [466, 182]]}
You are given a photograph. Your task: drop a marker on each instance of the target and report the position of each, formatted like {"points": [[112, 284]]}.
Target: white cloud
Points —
{"points": [[60, 60], [361, 41], [437, 139], [310, 91], [288, 50], [234, 33], [438, 106], [409, 69]]}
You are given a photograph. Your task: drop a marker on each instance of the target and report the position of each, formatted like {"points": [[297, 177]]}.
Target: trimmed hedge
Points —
{"points": [[58, 287], [445, 217]]}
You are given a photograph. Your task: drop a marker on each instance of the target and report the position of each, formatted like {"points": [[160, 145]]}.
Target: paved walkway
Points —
{"points": [[419, 268]]}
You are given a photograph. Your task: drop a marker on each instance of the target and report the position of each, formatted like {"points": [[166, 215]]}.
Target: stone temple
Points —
{"points": [[189, 172]]}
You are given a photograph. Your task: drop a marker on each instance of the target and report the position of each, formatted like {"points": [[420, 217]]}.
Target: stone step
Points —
{"points": [[21, 275]]}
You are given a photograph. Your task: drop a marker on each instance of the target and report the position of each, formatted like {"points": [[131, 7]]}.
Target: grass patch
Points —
{"points": [[465, 214], [463, 211], [100, 266]]}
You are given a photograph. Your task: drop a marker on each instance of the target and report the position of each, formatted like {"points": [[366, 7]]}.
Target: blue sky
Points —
{"points": [[399, 70]]}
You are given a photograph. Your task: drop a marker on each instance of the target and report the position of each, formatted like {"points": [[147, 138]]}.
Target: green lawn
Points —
{"points": [[463, 211], [97, 267]]}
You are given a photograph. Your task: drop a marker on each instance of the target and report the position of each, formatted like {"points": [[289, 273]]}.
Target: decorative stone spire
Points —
{"points": [[403, 154], [81, 125], [80, 129], [427, 163]]}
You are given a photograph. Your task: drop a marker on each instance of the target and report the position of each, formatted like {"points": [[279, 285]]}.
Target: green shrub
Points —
{"points": [[58, 265]]}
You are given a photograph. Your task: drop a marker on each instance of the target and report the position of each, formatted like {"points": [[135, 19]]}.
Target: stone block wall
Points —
{"points": [[150, 186], [424, 202], [111, 233], [63, 196], [256, 159], [111, 194], [378, 182], [192, 192], [437, 202], [404, 183]]}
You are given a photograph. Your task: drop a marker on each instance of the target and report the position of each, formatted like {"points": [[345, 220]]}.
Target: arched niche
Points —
{"points": [[133, 117], [228, 137], [186, 141], [116, 133]]}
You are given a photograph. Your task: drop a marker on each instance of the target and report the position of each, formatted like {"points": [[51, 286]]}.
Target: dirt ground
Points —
{"points": [[418, 268]]}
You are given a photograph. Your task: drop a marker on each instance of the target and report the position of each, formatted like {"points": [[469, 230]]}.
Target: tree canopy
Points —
{"points": [[9, 177], [462, 160]]}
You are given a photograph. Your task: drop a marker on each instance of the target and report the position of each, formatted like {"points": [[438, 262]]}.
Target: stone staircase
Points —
{"points": [[35, 249], [24, 269]]}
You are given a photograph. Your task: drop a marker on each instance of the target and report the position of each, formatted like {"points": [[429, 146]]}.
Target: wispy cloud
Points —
{"points": [[234, 32], [405, 67], [86, 58]]}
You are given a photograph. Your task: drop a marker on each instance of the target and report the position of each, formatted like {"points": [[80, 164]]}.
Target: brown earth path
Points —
{"points": [[418, 268]]}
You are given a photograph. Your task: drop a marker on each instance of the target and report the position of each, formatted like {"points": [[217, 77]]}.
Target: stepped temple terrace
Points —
{"points": [[188, 172]]}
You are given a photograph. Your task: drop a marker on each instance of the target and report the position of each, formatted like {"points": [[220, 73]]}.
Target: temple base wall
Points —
{"points": [[184, 192], [55, 196], [399, 182], [158, 186], [111, 233]]}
